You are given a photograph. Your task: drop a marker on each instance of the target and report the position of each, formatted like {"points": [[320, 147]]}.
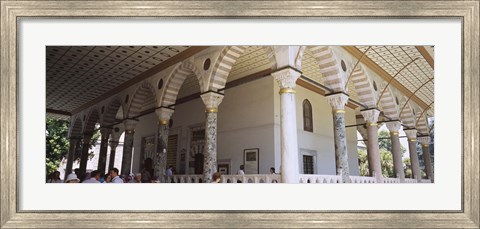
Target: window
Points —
{"points": [[307, 116], [307, 164]]}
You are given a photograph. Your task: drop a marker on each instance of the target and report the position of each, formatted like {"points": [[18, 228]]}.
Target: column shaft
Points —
{"points": [[341, 154], [428, 162], [210, 160], [412, 148], [102, 160], [373, 152], [71, 156], [84, 156], [113, 148], [397, 156], [161, 157], [127, 152], [288, 138]]}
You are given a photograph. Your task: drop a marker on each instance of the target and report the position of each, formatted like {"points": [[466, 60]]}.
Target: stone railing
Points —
{"points": [[362, 179], [323, 179], [303, 179], [391, 180]]}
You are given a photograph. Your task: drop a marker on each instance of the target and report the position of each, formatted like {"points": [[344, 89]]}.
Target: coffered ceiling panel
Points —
{"points": [[77, 74]]}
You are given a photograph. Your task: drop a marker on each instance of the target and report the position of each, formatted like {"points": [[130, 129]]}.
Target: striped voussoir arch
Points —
{"points": [[363, 87], [407, 117], [421, 123], [223, 65], [389, 105], [141, 94], [76, 127], [271, 57], [92, 118], [111, 111], [175, 81], [329, 67]]}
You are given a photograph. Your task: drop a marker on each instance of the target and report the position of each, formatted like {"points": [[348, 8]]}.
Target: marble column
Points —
{"points": [[113, 149], [286, 79], [160, 163], [425, 141], [375, 167], [412, 148], [102, 160], [338, 101], [71, 155], [114, 141], [84, 156], [211, 100], [128, 146], [394, 127]]}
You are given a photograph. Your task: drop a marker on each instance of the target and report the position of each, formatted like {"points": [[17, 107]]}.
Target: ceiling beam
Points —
{"points": [[426, 55], [150, 72], [382, 73]]}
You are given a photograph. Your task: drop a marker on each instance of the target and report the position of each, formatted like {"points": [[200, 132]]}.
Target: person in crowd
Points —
{"points": [[216, 177], [114, 176], [146, 176], [272, 171], [241, 170], [94, 177], [55, 178], [72, 178], [170, 174], [137, 178]]}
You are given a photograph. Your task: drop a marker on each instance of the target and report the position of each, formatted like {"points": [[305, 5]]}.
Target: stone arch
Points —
{"points": [[271, 57], [223, 65], [76, 127], [389, 105], [421, 124], [111, 111], [139, 97], [330, 67], [90, 121], [406, 116], [363, 88], [175, 81]]}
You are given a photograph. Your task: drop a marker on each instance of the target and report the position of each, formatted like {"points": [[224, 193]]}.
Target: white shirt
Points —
{"points": [[117, 179], [241, 172], [91, 180]]}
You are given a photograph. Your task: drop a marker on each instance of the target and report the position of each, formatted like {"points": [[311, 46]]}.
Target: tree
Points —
{"points": [[57, 143], [407, 167], [363, 162], [386, 161]]}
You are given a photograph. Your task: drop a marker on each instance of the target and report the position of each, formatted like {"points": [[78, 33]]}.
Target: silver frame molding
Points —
{"points": [[467, 11]]}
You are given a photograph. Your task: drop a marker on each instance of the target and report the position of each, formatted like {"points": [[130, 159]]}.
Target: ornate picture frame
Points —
{"points": [[12, 11]]}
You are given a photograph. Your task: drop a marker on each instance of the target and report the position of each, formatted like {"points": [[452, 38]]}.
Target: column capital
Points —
{"points": [[370, 116], [164, 114], [105, 131], [113, 144], [411, 134], [130, 124], [86, 138], [338, 102], [286, 78], [212, 100], [394, 126], [424, 140]]}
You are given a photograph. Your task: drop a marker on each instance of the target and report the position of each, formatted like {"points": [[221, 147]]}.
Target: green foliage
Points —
{"points": [[57, 143], [386, 161], [363, 162], [407, 168]]}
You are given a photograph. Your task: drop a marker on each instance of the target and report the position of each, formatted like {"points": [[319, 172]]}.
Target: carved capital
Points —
{"points": [[130, 124], [411, 134], [371, 115], [211, 100], [425, 140], [86, 138], [286, 78], [338, 101], [164, 114], [116, 132], [105, 131], [113, 144], [394, 126]]}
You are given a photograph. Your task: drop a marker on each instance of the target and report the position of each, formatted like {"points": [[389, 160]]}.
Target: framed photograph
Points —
{"points": [[251, 161], [28, 27]]}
